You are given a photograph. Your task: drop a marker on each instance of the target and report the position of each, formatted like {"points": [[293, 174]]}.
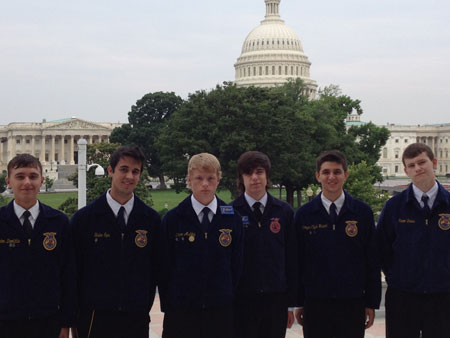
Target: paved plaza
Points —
{"points": [[376, 331]]}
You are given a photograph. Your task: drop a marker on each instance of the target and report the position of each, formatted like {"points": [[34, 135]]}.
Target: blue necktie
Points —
{"points": [[27, 224], [257, 211], [205, 219], [333, 214], [426, 207], [121, 220]]}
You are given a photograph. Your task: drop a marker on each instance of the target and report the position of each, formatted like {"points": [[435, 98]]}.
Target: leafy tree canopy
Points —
{"points": [[146, 120]]}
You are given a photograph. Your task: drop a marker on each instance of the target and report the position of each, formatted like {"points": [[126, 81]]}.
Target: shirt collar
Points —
{"points": [[339, 203], [115, 206], [432, 194], [34, 211], [198, 207], [250, 200]]}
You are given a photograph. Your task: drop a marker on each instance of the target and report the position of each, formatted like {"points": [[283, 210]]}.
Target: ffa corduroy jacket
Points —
{"points": [[415, 248], [270, 250], [116, 273], [338, 260], [198, 269], [37, 278]]}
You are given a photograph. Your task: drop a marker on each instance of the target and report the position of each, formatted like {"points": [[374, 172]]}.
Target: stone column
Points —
{"points": [[43, 148], [33, 145], [71, 140], [13, 146], [62, 159], [89, 139], [52, 149], [22, 144], [8, 148]]}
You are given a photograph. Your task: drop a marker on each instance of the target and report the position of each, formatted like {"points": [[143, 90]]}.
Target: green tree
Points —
{"points": [[3, 200], [69, 206], [146, 120], [360, 185], [3, 182], [369, 141], [228, 121], [48, 183], [280, 122]]}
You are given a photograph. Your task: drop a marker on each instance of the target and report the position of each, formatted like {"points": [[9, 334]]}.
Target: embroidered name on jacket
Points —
{"points": [[182, 236], [400, 220], [314, 227]]}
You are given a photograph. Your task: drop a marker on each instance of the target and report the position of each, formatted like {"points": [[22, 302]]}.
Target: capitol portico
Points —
{"points": [[53, 142]]}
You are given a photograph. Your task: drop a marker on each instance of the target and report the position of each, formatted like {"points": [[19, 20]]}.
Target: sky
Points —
{"points": [[94, 59]]}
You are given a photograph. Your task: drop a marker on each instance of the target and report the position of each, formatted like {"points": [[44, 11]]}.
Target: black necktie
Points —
{"points": [[257, 211], [205, 219], [333, 214], [426, 207], [121, 220], [27, 224]]}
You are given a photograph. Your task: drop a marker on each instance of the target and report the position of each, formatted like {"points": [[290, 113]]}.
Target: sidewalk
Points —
{"points": [[376, 331]]}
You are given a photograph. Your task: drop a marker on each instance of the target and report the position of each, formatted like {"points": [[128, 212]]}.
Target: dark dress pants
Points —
{"points": [[113, 324], [48, 327], [193, 323], [334, 318], [410, 315], [261, 316]]}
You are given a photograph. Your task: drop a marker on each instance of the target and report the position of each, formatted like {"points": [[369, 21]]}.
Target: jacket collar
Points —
{"points": [[349, 203], [443, 196]]}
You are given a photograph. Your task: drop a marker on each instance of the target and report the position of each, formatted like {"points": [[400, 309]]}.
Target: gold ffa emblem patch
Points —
{"points": [[225, 237], [275, 225], [444, 221], [351, 229], [49, 241], [141, 238]]}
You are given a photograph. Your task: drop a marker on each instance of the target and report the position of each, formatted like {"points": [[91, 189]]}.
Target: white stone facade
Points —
{"points": [[437, 137], [54, 143], [272, 54]]}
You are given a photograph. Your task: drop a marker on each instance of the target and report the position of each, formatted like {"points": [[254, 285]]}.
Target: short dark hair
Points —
{"points": [[248, 162], [415, 149], [24, 161], [331, 156], [127, 151]]}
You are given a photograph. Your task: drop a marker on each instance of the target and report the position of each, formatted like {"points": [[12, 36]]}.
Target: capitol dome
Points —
{"points": [[272, 53]]}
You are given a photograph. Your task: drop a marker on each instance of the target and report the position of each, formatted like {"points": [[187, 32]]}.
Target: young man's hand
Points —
{"points": [[290, 320], [370, 317], [299, 316], [64, 333]]}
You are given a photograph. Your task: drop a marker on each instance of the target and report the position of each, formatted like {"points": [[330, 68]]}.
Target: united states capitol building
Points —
{"points": [[271, 54], [53, 142]]}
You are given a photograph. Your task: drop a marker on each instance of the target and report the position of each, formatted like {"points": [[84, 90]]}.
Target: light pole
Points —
{"points": [[82, 169]]}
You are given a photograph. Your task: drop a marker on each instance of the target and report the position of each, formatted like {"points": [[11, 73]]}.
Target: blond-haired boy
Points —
{"points": [[201, 258]]}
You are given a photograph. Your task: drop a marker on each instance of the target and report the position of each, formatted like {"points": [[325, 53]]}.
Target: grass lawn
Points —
{"points": [[55, 199]]}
